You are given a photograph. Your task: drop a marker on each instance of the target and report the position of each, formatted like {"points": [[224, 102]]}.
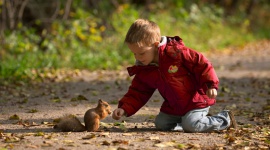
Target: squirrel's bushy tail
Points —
{"points": [[69, 123]]}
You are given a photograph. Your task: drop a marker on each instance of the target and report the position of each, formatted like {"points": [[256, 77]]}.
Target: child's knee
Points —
{"points": [[191, 127], [162, 125], [166, 122]]}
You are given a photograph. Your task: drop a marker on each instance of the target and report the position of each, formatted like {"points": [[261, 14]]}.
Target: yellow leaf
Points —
{"points": [[39, 134]]}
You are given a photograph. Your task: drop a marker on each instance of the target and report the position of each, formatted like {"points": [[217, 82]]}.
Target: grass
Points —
{"points": [[74, 46]]}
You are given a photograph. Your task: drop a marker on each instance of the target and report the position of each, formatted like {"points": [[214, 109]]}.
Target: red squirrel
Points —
{"points": [[92, 119]]}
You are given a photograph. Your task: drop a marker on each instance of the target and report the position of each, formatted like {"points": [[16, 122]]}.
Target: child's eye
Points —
{"points": [[142, 53]]}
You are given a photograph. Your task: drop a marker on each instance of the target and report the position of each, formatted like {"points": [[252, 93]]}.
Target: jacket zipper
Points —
{"points": [[167, 86]]}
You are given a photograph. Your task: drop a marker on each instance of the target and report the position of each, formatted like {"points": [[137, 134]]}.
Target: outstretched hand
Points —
{"points": [[211, 93], [118, 113]]}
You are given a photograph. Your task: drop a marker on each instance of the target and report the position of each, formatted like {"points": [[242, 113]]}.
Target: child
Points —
{"points": [[184, 78]]}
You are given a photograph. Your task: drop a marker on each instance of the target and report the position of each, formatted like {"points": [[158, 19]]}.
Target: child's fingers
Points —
{"points": [[121, 112], [116, 114], [212, 93]]}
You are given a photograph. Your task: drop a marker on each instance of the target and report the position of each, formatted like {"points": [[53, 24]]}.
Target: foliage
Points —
{"points": [[93, 38]]}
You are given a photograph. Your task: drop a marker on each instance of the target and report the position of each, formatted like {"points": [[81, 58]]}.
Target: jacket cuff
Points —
{"points": [[207, 86], [127, 113]]}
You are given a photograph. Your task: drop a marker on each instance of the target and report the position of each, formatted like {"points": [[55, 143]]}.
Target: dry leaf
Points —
{"points": [[127, 134], [14, 117], [86, 142], [79, 98], [154, 138], [39, 134], [105, 143], [91, 136], [31, 146], [165, 144], [117, 142], [104, 134], [47, 142]]}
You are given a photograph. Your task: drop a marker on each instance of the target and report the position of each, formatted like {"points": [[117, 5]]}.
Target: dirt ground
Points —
{"points": [[27, 111]]}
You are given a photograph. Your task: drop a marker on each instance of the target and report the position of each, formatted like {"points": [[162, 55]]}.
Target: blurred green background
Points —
{"points": [[44, 36]]}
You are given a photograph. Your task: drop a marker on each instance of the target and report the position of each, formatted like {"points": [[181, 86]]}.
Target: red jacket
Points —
{"points": [[182, 77]]}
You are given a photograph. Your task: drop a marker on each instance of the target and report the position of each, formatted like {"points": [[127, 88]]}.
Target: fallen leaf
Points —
{"points": [[165, 144], [105, 143], [29, 134], [103, 124], [27, 124], [180, 146], [154, 138], [33, 111], [46, 145], [117, 142], [47, 142], [11, 139], [56, 99], [14, 117], [86, 142], [117, 123], [122, 127], [28, 146], [194, 146], [48, 123], [69, 142], [79, 98], [127, 134], [39, 134], [87, 137], [104, 134]]}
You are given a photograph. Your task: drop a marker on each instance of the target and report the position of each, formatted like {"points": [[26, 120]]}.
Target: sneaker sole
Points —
{"points": [[233, 122]]}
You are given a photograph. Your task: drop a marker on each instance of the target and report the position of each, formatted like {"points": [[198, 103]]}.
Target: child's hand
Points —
{"points": [[118, 113], [211, 93]]}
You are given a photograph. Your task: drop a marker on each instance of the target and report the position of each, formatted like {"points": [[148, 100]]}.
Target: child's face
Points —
{"points": [[144, 54]]}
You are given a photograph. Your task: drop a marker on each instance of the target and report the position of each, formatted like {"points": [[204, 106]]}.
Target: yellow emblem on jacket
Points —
{"points": [[173, 69]]}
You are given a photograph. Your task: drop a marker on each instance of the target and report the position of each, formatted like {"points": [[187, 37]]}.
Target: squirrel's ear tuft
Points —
{"points": [[100, 101]]}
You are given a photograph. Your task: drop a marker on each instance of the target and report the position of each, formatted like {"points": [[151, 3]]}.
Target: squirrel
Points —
{"points": [[92, 119]]}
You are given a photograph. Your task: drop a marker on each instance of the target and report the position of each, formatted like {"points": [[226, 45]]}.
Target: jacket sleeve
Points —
{"points": [[201, 68], [136, 97]]}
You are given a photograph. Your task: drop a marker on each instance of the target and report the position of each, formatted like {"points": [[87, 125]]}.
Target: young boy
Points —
{"points": [[184, 78]]}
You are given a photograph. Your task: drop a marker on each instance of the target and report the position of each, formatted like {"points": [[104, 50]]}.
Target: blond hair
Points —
{"points": [[143, 32]]}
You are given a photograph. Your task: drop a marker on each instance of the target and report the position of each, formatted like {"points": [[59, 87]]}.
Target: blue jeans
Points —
{"points": [[193, 121]]}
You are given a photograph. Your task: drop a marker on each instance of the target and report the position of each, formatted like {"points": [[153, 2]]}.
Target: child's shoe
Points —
{"points": [[233, 123]]}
